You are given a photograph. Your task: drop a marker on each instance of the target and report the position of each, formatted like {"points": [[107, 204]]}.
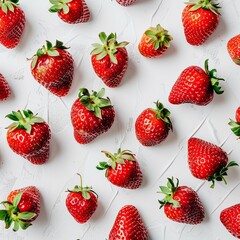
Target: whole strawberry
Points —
{"points": [[81, 202], [128, 225], [71, 11], [199, 20], [122, 169], [52, 66], [29, 136], [196, 86], [152, 125], [12, 23], [236, 125], [4, 88], [21, 208], [154, 42], [208, 161], [125, 2], [110, 59], [233, 49], [91, 115], [181, 203]]}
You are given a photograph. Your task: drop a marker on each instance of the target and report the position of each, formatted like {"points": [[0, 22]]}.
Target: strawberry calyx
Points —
{"points": [[109, 47], [59, 5], [8, 5], [235, 127]]}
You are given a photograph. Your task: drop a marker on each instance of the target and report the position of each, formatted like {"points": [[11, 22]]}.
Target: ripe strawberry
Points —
{"points": [[4, 88], [199, 20], [22, 207], [71, 11], [12, 23], [208, 161], [125, 2], [181, 203], [81, 202], [234, 49], [154, 42], [110, 59], [194, 85], [91, 115], [152, 125], [128, 225], [29, 136], [52, 67], [236, 125], [122, 169]]}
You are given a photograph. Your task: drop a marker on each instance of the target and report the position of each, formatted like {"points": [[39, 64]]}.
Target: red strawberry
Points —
{"points": [[125, 2], [12, 23], [181, 203], [233, 47], [52, 67], [199, 20], [154, 42], [230, 219], [81, 202], [152, 125], [110, 59], [29, 136], [194, 85], [71, 11], [4, 88], [22, 207], [122, 169], [91, 115], [238, 114], [236, 125], [128, 225]]}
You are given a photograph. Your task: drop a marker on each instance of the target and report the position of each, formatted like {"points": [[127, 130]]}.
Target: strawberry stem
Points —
{"points": [[235, 127]]}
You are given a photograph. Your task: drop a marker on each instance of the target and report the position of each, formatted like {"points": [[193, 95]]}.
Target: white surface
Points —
{"points": [[146, 81]]}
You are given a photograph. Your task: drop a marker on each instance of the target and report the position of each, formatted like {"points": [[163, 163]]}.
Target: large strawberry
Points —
{"points": [[154, 42], [181, 203], [21, 208], [4, 88], [12, 23], [71, 11], [52, 66], [110, 59], [152, 125], [125, 2], [128, 225], [91, 115], [122, 169], [81, 202], [194, 85], [199, 20], [236, 125], [234, 49], [29, 136]]}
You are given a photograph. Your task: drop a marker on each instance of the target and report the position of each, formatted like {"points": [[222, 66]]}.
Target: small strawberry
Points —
{"points": [[236, 125], [29, 136], [52, 67], [4, 88], [91, 115], [200, 19], [154, 42], [128, 225], [233, 47], [71, 11], [196, 86], [81, 202], [22, 207], [152, 125], [181, 203], [110, 59], [125, 2], [122, 169], [12, 23]]}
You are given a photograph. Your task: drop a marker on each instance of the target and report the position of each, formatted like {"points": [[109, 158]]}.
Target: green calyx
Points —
{"points": [[109, 47], [8, 5], [59, 5], [235, 127], [159, 37]]}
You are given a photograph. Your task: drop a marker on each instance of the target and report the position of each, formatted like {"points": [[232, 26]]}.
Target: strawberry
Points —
{"points": [[52, 67], [154, 42], [4, 88], [110, 59], [12, 23], [122, 169], [234, 49], [196, 86], [22, 207], [125, 2], [152, 125], [181, 203], [81, 202], [230, 219], [236, 125], [71, 11], [91, 115], [29, 136], [200, 19], [128, 225]]}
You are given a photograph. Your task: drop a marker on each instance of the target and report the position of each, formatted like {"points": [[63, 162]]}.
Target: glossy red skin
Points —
{"points": [[55, 73], [4, 88], [198, 25], [238, 115], [125, 2], [233, 47]]}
